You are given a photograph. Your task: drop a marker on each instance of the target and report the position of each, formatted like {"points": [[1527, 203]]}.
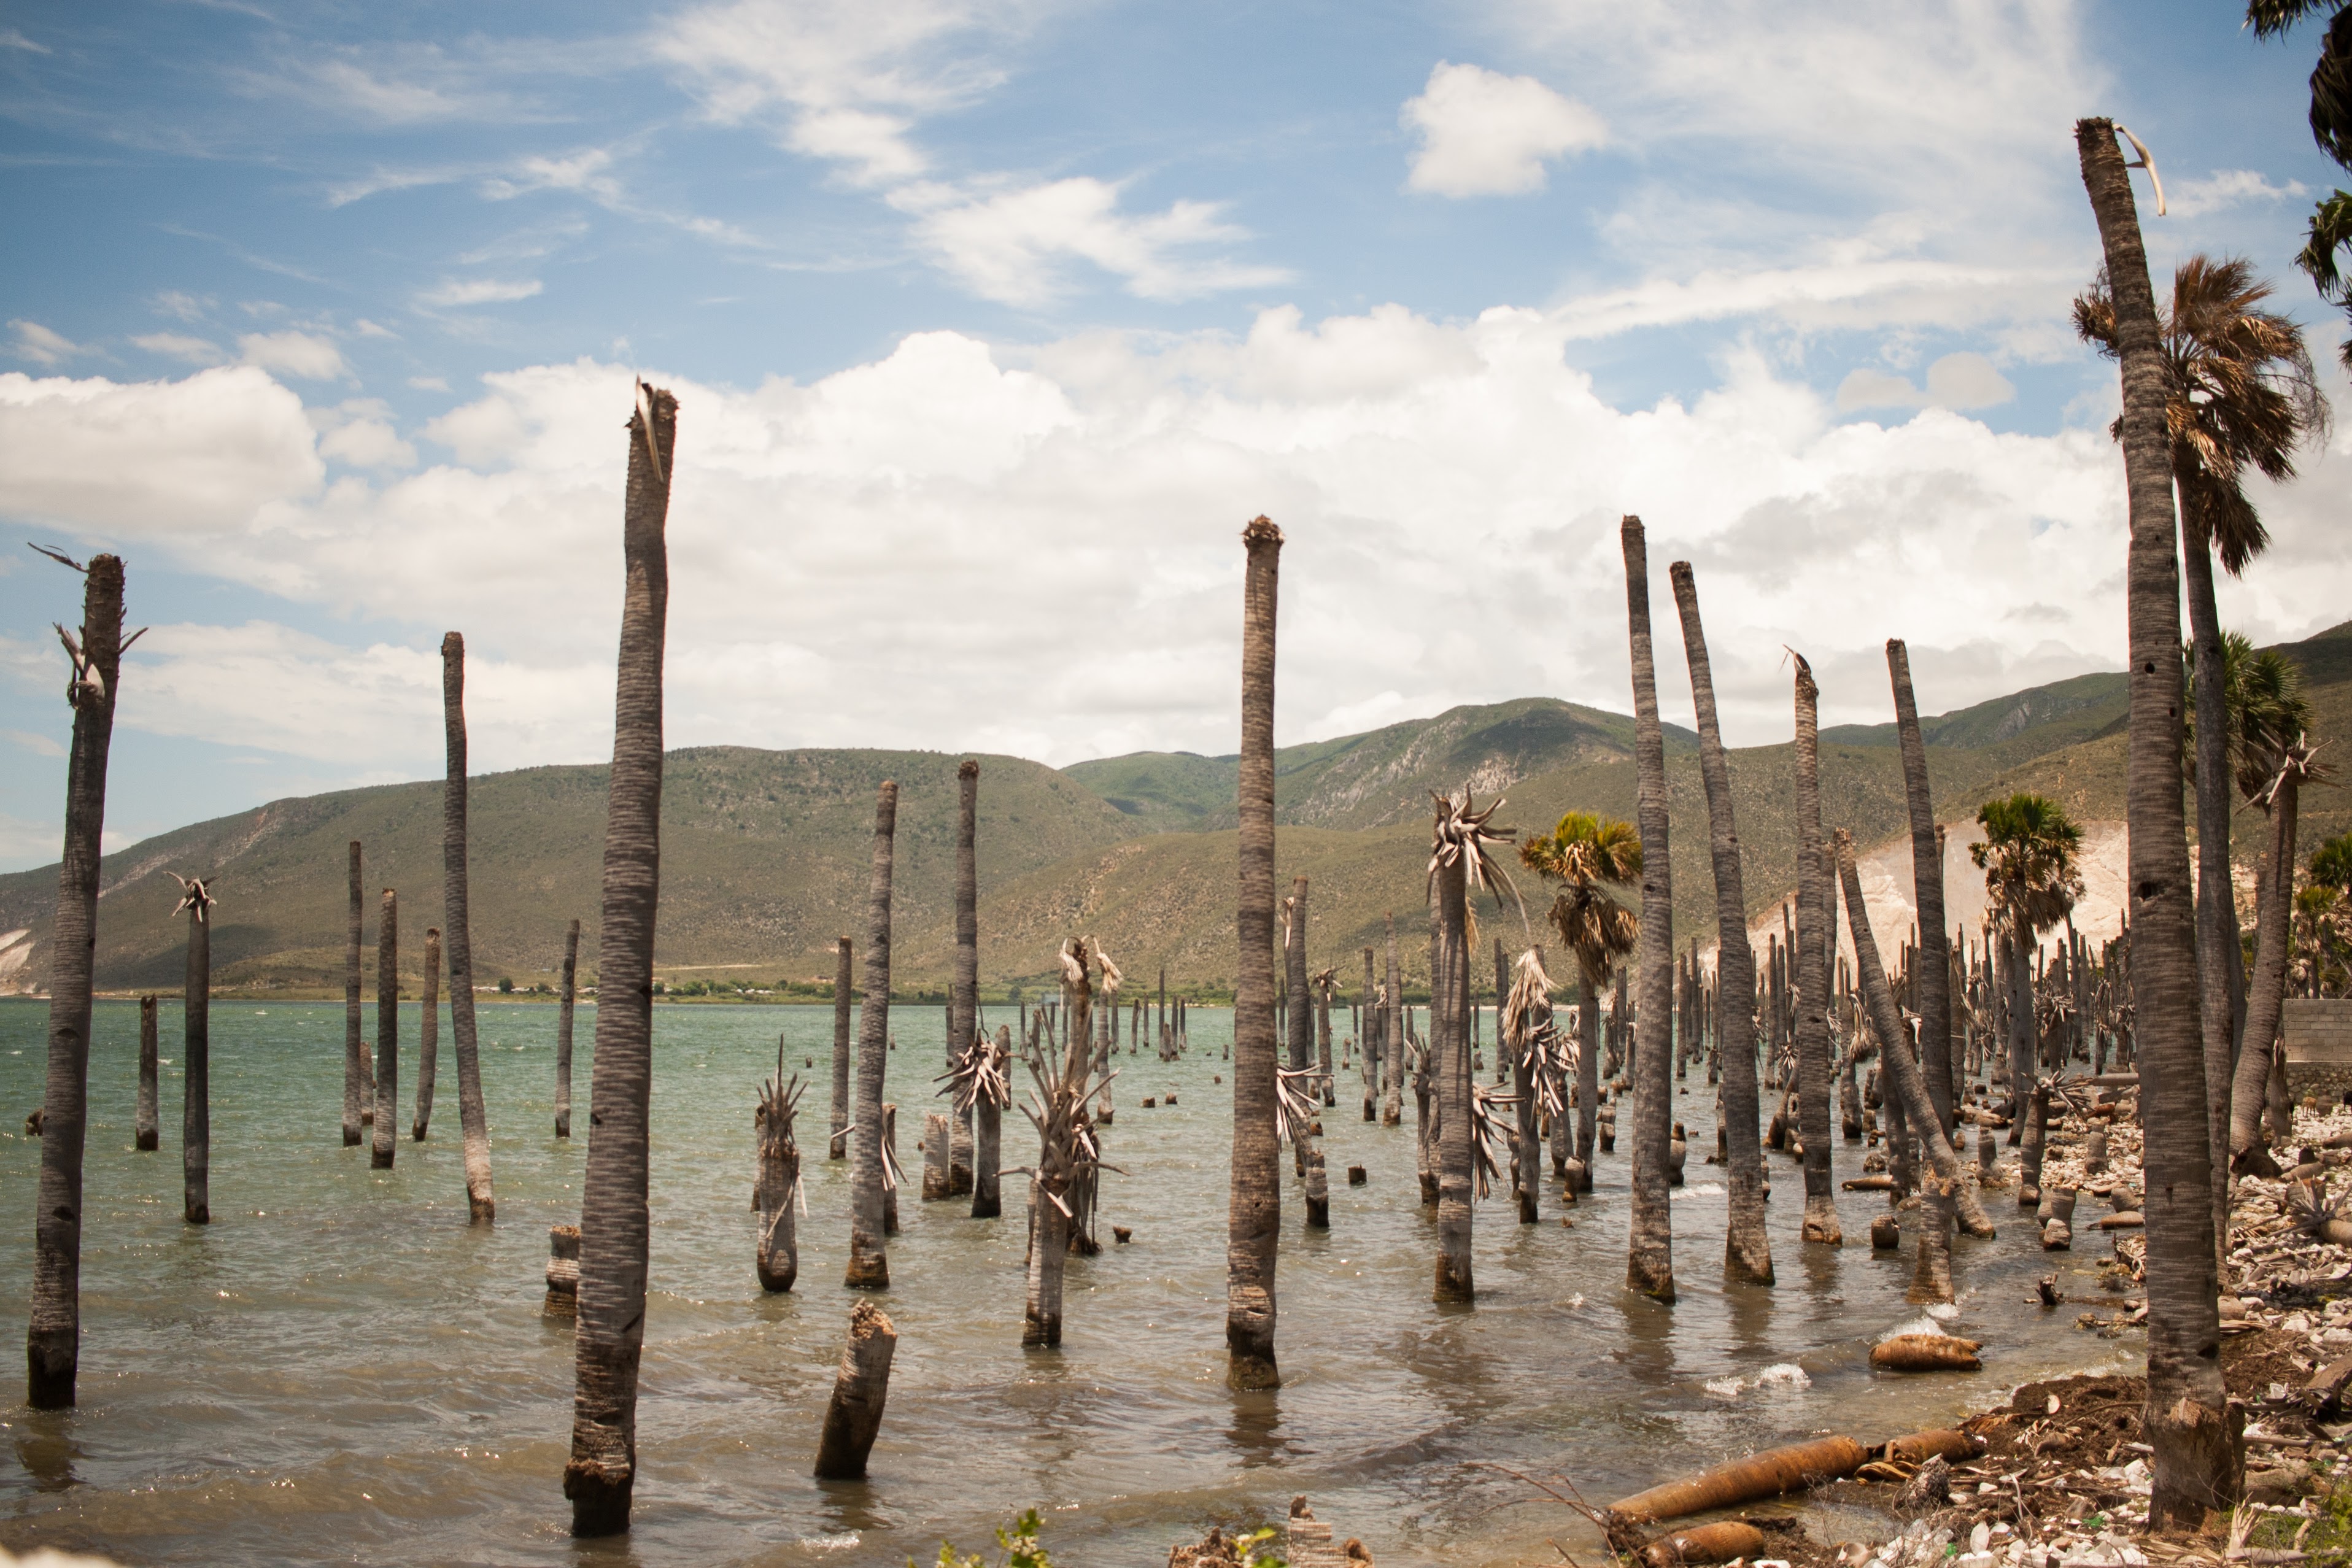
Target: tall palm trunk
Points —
{"points": [[1816, 941], [1367, 1043], [869, 1250], [146, 1127], [1392, 1037], [1933, 962], [564, 1009], [1301, 1022], [987, 1140], [53, 1336], [1650, 1244], [356, 1109], [963, 999], [196, 1063], [2266, 987], [1254, 1221], [1746, 1250], [1908, 1091], [613, 1220], [1588, 1075], [841, 1074], [428, 1033], [387, 1033], [1449, 1044], [2198, 1460], [457, 935]]}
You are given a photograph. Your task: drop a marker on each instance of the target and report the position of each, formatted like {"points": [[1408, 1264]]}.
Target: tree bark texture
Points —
{"points": [[2266, 987], [387, 1033], [1449, 1044], [1253, 1219], [355, 1084], [614, 1218], [1932, 962], [429, 1034], [869, 1249], [1649, 1254], [565, 1001], [146, 1129], [841, 989], [963, 997], [852, 1418], [1816, 941], [473, 1117]]}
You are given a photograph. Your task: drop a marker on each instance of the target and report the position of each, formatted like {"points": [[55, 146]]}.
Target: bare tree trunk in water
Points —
{"points": [[1816, 941], [1747, 1249], [1650, 1244], [987, 1142], [841, 1004], [2199, 1461], [53, 1336], [1895, 1052], [196, 1059], [1588, 1077], [1392, 1037], [356, 1095], [1369, 1047], [869, 1248], [614, 1218], [1253, 1219], [963, 1000], [1934, 958], [860, 1389], [778, 1259], [387, 1033], [473, 1117], [565, 1001], [146, 1129], [1301, 1026], [1449, 1045], [429, 1034]]}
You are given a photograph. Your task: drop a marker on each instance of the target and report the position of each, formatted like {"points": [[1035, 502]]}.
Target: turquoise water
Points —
{"points": [[341, 1367]]}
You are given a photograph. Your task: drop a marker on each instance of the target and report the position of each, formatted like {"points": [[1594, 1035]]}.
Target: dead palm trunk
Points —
{"points": [[53, 1336], [1368, 1044], [841, 1000], [614, 1219], [1449, 1044], [473, 1119], [1746, 1250], [963, 1000], [1816, 941], [869, 1248], [1301, 1023], [987, 1141], [778, 1259], [387, 1033], [146, 1130], [1894, 1052], [429, 1034], [1588, 1077], [860, 1389], [356, 1109], [1253, 1219], [1392, 1037], [2199, 1459], [563, 1006], [196, 1059], [1649, 1243], [1933, 960], [2266, 987]]}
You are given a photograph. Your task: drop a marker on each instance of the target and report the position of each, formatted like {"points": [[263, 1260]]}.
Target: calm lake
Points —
{"points": [[339, 1367]]}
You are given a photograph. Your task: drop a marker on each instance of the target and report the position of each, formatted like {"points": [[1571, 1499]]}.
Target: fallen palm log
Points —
{"points": [[2131, 1220], [1878, 1183], [1927, 1353], [1759, 1476], [860, 1389], [1919, 1447], [1722, 1541]]}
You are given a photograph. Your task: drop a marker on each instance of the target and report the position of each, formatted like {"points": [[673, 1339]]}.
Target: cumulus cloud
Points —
{"points": [[304, 354], [1957, 381], [2227, 188], [908, 508], [41, 345], [152, 459], [358, 434], [1487, 134]]}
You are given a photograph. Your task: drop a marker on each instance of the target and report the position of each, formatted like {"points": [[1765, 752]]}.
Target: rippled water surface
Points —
{"points": [[341, 1367]]}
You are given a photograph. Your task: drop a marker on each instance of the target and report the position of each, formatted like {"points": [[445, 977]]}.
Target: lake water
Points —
{"points": [[341, 1367]]}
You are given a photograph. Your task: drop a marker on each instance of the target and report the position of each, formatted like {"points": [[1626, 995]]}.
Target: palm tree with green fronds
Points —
{"points": [[2029, 856], [2330, 228], [2240, 394], [1589, 854]]}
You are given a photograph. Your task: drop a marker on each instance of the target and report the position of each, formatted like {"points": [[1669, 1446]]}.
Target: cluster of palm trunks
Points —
{"points": [[1960, 1033]]}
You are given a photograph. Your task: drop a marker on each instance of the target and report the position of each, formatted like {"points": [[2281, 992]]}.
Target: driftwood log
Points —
{"points": [[1927, 1353]]}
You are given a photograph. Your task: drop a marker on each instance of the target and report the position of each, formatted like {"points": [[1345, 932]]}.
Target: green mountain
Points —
{"points": [[766, 854]]}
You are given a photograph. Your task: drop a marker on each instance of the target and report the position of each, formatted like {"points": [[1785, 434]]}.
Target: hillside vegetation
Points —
{"points": [[765, 854]]}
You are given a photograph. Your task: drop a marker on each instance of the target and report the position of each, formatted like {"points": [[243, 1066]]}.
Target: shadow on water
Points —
{"points": [[46, 1448]]}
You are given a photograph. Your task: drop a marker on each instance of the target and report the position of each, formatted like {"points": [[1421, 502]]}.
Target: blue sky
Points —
{"points": [[993, 321]]}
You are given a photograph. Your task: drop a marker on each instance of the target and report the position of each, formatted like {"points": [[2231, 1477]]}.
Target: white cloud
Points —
{"points": [[358, 434], [2227, 188], [587, 171], [152, 459], [42, 346], [10, 38], [1487, 134], [179, 345], [390, 85], [1961, 381], [479, 291], [367, 328], [1011, 244], [304, 354], [182, 306]]}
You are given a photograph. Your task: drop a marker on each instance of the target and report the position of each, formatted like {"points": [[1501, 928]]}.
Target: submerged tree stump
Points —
{"points": [[778, 1259], [860, 1389], [938, 1184], [563, 1271], [146, 1131]]}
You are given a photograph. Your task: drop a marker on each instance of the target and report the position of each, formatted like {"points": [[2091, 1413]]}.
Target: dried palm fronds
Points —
{"points": [[196, 894], [1460, 833], [975, 1074], [773, 1117], [1492, 1128], [1293, 1102]]}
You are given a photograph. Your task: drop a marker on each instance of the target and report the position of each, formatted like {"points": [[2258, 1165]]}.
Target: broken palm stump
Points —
{"points": [[563, 1271], [939, 1184], [778, 1258], [860, 1389]]}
